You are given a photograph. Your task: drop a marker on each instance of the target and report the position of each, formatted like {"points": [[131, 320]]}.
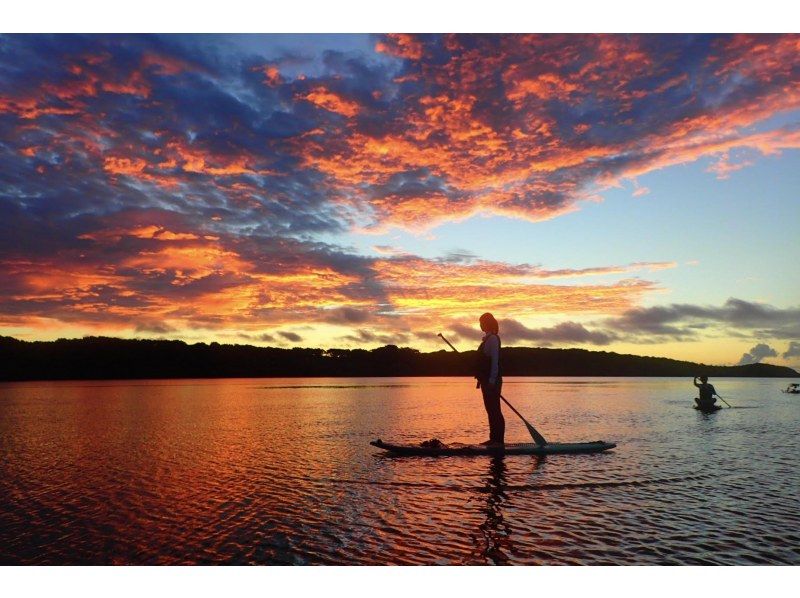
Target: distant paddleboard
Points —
{"points": [[524, 448], [712, 409]]}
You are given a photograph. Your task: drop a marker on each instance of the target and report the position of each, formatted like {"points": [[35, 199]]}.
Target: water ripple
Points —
{"points": [[211, 472]]}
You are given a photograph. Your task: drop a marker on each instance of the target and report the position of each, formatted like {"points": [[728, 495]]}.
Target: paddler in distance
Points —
{"points": [[490, 380], [706, 399]]}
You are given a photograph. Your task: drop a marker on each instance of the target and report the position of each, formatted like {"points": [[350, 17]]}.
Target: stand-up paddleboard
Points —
{"points": [[706, 408], [712, 409], [523, 448]]}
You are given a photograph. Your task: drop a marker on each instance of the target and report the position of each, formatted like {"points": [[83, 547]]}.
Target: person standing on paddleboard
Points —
{"points": [[490, 380]]}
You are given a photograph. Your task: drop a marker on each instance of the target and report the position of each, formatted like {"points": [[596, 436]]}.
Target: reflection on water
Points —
{"points": [[493, 538], [281, 472], [329, 386]]}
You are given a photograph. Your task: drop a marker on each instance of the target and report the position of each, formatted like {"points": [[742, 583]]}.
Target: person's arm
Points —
{"points": [[493, 351], [695, 382]]}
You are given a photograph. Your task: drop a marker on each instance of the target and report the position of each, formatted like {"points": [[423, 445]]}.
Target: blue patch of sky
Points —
{"points": [[297, 53]]}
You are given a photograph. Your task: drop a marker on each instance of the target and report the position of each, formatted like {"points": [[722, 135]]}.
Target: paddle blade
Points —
{"points": [[537, 438]]}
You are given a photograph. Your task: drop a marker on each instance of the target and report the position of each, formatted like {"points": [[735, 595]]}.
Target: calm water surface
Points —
{"points": [[280, 471]]}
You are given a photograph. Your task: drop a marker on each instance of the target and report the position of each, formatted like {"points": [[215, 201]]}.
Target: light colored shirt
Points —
{"points": [[491, 348]]}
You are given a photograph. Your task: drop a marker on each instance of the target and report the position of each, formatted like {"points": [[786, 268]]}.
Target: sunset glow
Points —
{"points": [[630, 193]]}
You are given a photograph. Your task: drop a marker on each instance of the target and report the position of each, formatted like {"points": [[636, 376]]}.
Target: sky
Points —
{"points": [[628, 193]]}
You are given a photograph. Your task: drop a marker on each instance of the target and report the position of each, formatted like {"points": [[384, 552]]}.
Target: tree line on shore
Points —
{"points": [[114, 358]]}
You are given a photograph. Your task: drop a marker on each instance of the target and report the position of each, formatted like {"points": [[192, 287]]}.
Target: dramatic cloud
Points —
{"points": [[565, 332], [757, 353], [518, 125], [682, 321], [649, 326], [654, 325], [528, 125], [164, 277], [151, 185]]}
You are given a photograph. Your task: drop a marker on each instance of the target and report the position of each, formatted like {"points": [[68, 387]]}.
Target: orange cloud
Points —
{"points": [[526, 166], [272, 76], [723, 167], [164, 65], [324, 98], [184, 279], [523, 126], [86, 81], [198, 160], [545, 86], [125, 166], [452, 290], [401, 45], [134, 85], [30, 108]]}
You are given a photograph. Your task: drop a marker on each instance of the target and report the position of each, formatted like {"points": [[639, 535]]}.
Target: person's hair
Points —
{"points": [[489, 324]]}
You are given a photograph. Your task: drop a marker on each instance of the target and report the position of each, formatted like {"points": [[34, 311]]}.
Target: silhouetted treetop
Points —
{"points": [[97, 357]]}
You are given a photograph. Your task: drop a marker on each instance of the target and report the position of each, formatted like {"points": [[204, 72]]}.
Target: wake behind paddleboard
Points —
{"points": [[524, 448]]}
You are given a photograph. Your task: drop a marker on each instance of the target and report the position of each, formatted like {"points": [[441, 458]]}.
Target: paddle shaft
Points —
{"points": [[724, 401], [538, 438]]}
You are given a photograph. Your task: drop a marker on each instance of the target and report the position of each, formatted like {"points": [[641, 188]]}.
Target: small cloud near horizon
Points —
{"points": [[757, 353]]}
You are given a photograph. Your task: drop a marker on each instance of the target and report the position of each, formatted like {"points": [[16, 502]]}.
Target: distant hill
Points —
{"points": [[112, 358]]}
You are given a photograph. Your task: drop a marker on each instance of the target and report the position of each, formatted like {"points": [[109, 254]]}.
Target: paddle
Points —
{"points": [[538, 438], [724, 401]]}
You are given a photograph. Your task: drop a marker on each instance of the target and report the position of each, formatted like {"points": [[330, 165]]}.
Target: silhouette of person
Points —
{"points": [[706, 399], [490, 379]]}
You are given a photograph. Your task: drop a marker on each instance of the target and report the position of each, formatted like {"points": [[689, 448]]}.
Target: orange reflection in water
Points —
{"points": [[280, 471]]}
